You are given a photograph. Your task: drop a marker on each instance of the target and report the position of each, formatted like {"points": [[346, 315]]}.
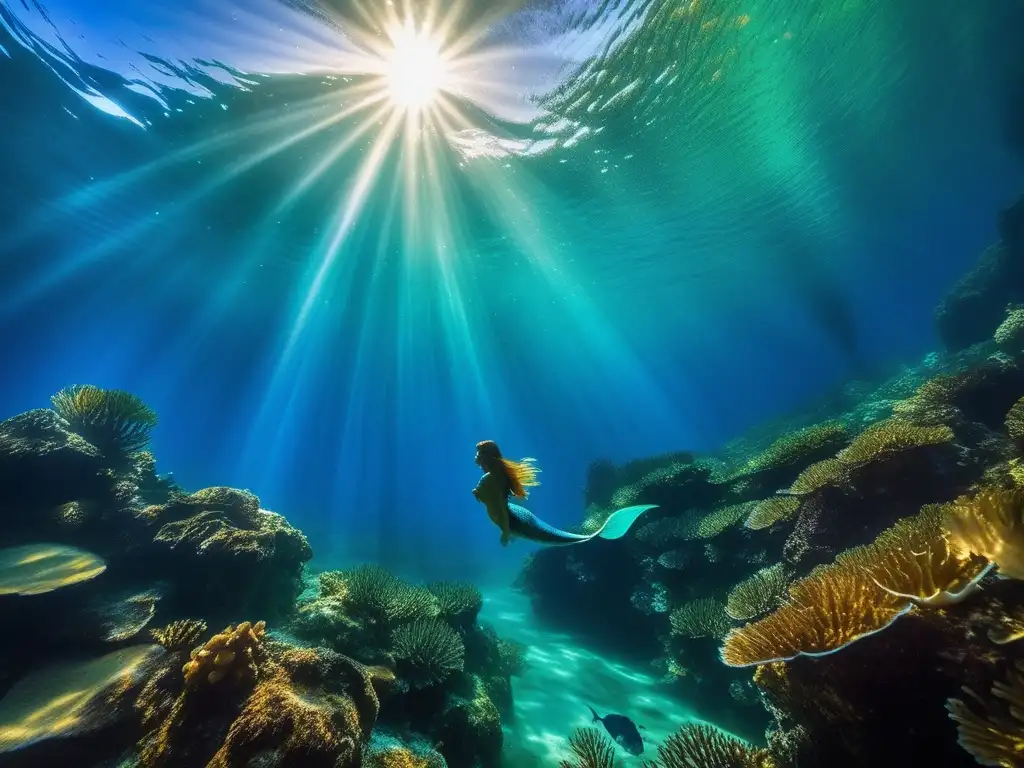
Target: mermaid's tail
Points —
{"points": [[620, 521], [526, 525]]}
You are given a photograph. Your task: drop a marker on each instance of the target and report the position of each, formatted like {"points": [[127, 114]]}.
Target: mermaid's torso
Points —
{"points": [[522, 523]]}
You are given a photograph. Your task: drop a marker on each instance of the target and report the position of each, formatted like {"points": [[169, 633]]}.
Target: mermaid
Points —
{"points": [[503, 478]]}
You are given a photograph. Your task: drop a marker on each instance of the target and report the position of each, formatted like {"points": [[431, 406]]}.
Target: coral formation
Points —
{"points": [[116, 422], [428, 651], [704, 746], [996, 738], [758, 594], [990, 524], [179, 635], [232, 654], [590, 749], [704, 617]]}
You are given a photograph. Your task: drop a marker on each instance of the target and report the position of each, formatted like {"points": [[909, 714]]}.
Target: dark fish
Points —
{"points": [[623, 730]]}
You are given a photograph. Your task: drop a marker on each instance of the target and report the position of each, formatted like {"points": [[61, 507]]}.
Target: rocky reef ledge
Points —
{"points": [[113, 580], [849, 579]]}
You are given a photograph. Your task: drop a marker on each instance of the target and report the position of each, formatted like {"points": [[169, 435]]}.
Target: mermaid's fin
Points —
{"points": [[620, 521]]}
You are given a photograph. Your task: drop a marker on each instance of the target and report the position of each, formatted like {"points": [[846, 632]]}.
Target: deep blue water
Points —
{"points": [[771, 208]]}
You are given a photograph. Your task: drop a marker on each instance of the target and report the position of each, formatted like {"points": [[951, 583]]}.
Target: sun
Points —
{"points": [[416, 68]]}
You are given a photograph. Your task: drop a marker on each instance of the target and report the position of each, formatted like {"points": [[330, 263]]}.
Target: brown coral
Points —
{"points": [[795, 446], [817, 476], [234, 653], [997, 737]]}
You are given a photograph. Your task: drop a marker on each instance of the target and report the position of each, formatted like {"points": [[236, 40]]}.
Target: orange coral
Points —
{"points": [[234, 652], [990, 524]]}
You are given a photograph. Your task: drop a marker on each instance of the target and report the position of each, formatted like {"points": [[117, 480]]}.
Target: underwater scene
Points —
{"points": [[511, 383]]}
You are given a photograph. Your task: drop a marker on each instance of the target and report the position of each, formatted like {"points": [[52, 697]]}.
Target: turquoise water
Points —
{"points": [[332, 256]]}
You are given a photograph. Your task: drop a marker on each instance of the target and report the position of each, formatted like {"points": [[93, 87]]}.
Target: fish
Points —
{"points": [[623, 731]]}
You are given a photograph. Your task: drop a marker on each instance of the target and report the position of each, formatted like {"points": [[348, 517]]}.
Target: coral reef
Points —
{"points": [[106, 554]]}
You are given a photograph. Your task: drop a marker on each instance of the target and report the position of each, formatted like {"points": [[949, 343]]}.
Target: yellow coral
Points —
{"points": [[758, 594], [770, 511], [990, 525], [891, 435], [115, 421], [179, 634], [233, 653], [826, 611], [915, 559], [997, 738], [862, 592]]}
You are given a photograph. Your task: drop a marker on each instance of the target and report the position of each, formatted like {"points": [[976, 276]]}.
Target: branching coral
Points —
{"points": [[661, 533], [428, 651], [704, 746], [717, 521], [179, 635], [511, 657], [773, 510], [116, 422], [458, 601], [236, 653], [794, 447], [990, 524], [997, 737], [590, 749], [759, 594], [704, 617]]}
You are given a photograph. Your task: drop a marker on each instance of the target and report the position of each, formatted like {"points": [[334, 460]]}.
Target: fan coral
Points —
{"points": [[236, 652], [704, 746], [1015, 420], [794, 447], [179, 635], [996, 738], [891, 435], [428, 651], [990, 525], [590, 749], [719, 520], [114, 421], [759, 594], [704, 617], [459, 602], [770, 511]]}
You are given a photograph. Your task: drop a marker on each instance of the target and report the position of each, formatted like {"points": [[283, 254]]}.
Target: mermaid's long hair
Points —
{"points": [[518, 474]]}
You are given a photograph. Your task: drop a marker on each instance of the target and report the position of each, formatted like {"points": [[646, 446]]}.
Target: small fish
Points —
{"points": [[623, 730]]}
